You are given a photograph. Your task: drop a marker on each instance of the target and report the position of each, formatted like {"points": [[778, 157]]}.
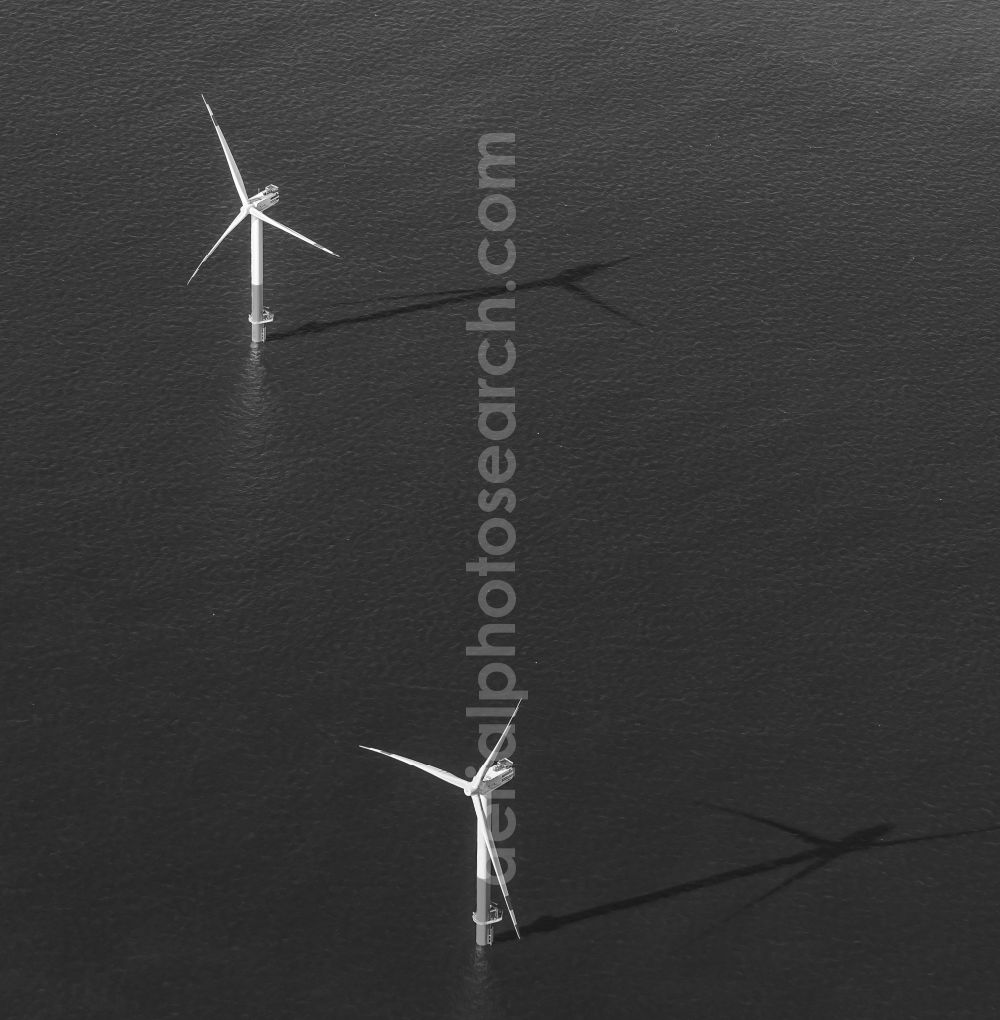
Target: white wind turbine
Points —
{"points": [[254, 208], [491, 774]]}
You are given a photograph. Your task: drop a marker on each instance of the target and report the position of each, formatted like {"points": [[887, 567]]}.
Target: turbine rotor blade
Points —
{"points": [[807, 837], [487, 837], [430, 769], [934, 835], [228, 231], [288, 230], [801, 873], [233, 168], [494, 754]]}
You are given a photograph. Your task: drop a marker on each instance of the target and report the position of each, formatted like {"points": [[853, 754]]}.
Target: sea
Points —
{"points": [[756, 558]]}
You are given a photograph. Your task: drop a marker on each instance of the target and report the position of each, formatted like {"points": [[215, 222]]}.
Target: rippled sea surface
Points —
{"points": [[757, 490]]}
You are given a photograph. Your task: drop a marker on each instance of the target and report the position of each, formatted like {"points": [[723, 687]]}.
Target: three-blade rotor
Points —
{"points": [[247, 209]]}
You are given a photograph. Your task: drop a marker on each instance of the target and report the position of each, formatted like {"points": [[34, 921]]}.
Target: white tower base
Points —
{"points": [[259, 315], [484, 927], [494, 917]]}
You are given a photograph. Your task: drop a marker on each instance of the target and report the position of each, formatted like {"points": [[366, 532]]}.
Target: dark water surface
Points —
{"points": [[756, 520]]}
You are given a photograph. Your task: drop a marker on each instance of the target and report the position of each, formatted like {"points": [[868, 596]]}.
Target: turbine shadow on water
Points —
{"points": [[821, 852], [570, 280]]}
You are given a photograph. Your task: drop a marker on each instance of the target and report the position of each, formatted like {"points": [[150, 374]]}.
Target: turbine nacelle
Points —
{"points": [[498, 774], [264, 199]]}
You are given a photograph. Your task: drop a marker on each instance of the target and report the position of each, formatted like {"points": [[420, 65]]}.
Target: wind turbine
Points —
{"points": [[254, 208], [491, 774]]}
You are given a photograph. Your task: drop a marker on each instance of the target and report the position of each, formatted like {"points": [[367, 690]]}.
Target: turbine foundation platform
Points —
{"points": [[494, 917], [266, 316]]}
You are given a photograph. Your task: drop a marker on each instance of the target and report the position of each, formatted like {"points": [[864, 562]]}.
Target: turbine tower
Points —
{"points": [[491, 774], [254, 208]]}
